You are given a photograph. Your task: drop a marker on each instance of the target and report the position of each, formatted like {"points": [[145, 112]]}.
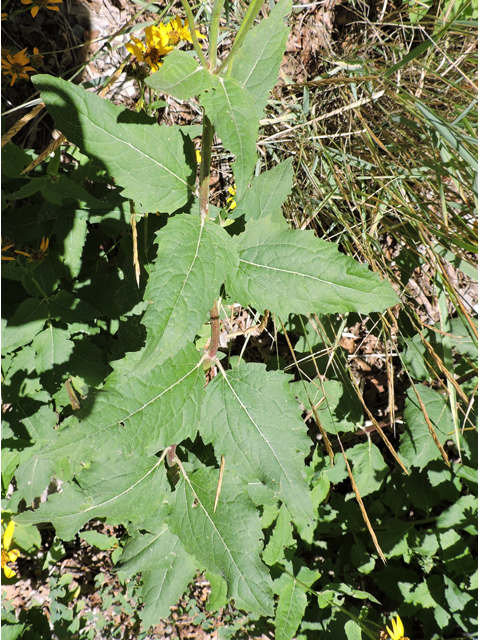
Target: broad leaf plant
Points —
{"points": [[194, 471]]}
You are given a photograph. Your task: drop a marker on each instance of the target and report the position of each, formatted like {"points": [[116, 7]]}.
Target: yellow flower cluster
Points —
{"points": [[34, 256], [42, 4], [8, 556], [160, 41], [231, 201], [18, 65]]}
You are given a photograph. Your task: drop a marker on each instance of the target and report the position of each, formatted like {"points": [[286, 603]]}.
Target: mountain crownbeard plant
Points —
{"points": [[194, 471]]}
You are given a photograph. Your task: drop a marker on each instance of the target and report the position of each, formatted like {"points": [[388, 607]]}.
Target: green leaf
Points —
{"points": [[25, 323], [136, 412], [251, 417], [417, 447], [53, 346], [14, 160], [125, 492], [73, 233], [147, 160], [281, 537], [33, 477], [166, 571], [460, 515], [218, 591], [267, 193], [99, 540], [66, 307], [290, 609], [353, 630], [56, 189], [394, 541], [289, 271], [257, 62], [369, 467], [342, 409], [363, 561], [192, 261], [227, 541], [231, 108], [87, 363], [180, 76]]}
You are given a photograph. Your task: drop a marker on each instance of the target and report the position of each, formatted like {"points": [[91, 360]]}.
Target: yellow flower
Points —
{"points": [[41, 4], [8, 556], [177, 32], [398, 630], [36, 256], [4, 16], [16, 65], [37, 59], [233, 192], [6, 248], [156, 47], [198, 156]]}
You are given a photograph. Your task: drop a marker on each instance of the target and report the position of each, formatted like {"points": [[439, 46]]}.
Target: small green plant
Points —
{"points": [[106, 354]]}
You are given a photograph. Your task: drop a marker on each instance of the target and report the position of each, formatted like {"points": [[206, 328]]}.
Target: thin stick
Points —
{"points": [[207, 138], [21, 123], [219, 484], [361, 505], [215, 327]]}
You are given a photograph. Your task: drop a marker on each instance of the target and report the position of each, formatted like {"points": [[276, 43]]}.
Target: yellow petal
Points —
{"points": [[13, 555], [9, 573], [400, 629], [135, 51], [8, 535]]}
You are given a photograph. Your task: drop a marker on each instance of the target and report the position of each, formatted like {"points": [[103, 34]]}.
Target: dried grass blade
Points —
{"points": [[361, 505]]}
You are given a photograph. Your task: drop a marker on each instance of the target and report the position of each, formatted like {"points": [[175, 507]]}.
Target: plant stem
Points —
{"points": [[195, 42], [213, 35], [207, 138], [250, 16], [215, 327]]}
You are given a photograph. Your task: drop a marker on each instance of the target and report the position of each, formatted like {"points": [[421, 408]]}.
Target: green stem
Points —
{"points": [[207, 139], [213, 35], [250, 16], [191, 25]]}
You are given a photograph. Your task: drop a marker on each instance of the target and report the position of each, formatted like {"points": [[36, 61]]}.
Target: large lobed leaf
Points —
{"points": [[417, 447], [147, 160], [231, 108], [267, 193], [180, 76], [166, 570], [258, 60], [227, 542], [289, 271], [192, 261], [251, 417], [126, 491], [136, 413]]}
